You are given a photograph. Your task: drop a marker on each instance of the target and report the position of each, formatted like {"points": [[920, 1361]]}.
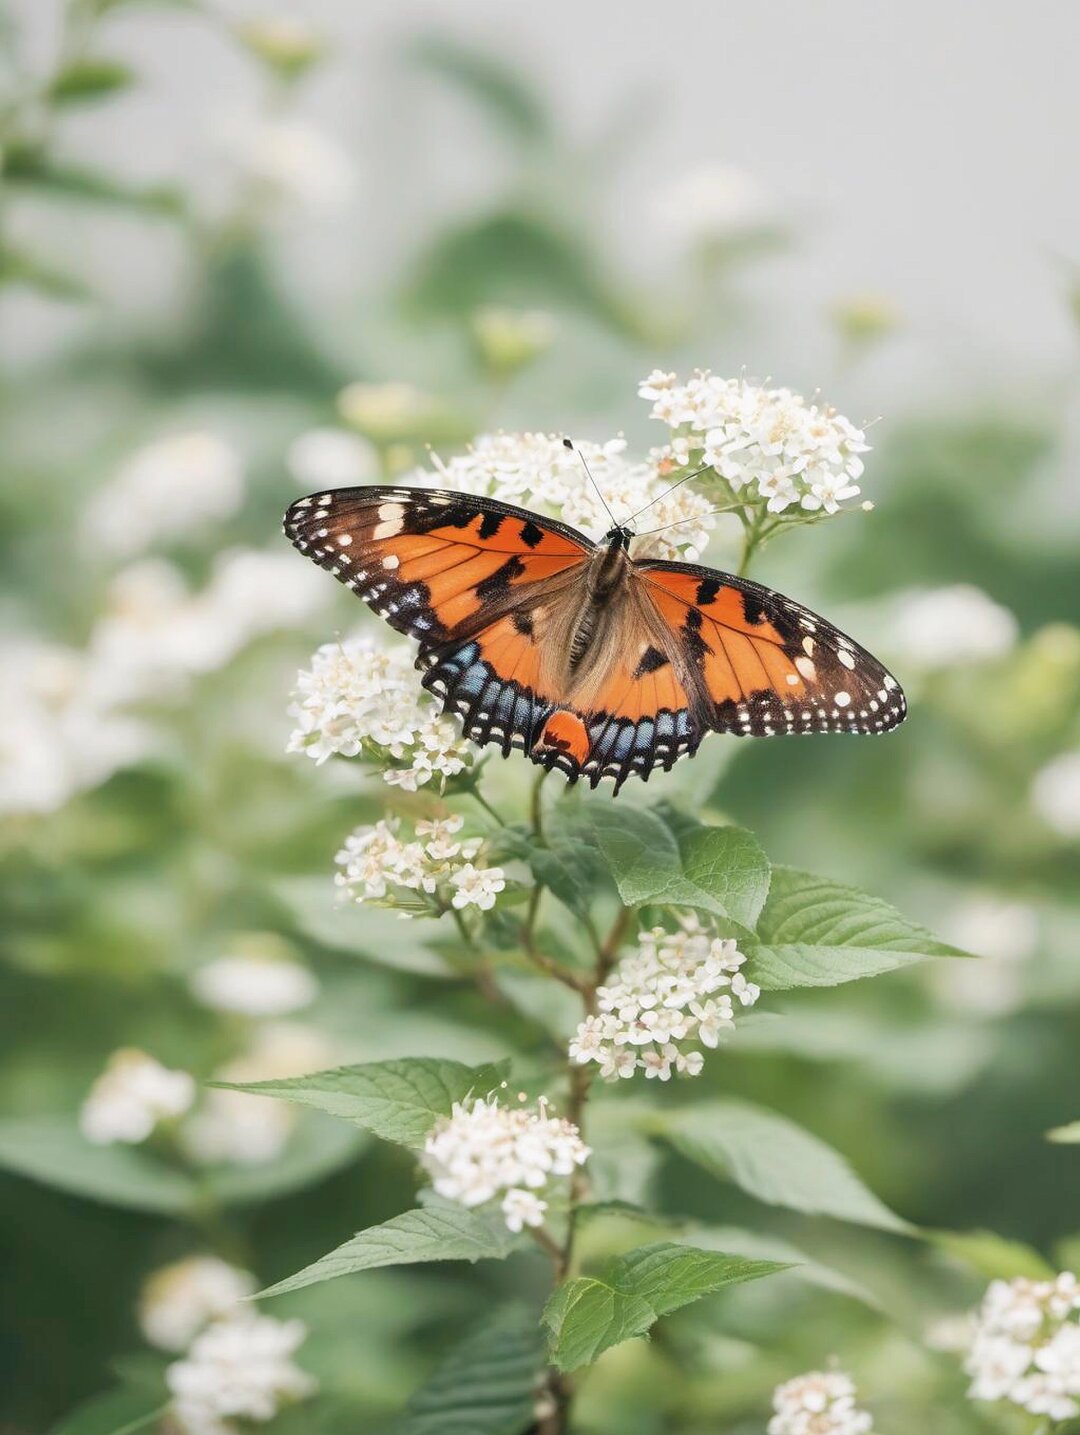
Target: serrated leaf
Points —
{"points": [[993, 1256], [53, 1151], [814, 932], [397, 1100], [438, 1232], [118, 1412], [590, 1314], [729, 864], [720, 870], [776, 1161], [564, 863], [90, 79], [487, 1383]]}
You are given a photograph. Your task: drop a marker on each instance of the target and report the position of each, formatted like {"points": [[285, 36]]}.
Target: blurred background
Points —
{"points": [[247, 252]]}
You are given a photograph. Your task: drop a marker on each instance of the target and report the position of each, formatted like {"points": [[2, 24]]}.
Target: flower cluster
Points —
{"points": [[483, 1149], [819, 1403], [675, 992], [131, 1096], [255, 977], [769, 444], [378, 866], [538, 472], [1026, 1346], [165, 490], [181, 1299], [239, 1369], [360, 697], [62, 732]]}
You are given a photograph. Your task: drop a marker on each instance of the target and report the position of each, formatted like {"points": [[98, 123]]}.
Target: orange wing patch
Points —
{"points": [[767, 665], [431, 563], [564, 733]]}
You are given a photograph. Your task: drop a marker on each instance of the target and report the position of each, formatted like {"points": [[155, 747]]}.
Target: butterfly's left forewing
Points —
{"points": [[431, 563], [766, 664]]}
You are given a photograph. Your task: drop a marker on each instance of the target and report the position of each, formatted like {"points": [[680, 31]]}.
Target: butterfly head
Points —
{"points": [[618, 539]]}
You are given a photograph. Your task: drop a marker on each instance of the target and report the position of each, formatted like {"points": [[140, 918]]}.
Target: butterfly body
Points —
{"points": [[578, 653]]}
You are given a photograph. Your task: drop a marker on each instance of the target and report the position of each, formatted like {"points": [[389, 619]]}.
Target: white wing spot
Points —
{"points": [[842, 700], [808, 647], [846, 658], [345, 540], [806, 667], [391, 561]]}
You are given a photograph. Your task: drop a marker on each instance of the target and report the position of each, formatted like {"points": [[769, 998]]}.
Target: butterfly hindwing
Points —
{"points": [[766, 664], [430, 563]]}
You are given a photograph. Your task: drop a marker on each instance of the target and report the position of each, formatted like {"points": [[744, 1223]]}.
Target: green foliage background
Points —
{"points": [[938, 1102]]}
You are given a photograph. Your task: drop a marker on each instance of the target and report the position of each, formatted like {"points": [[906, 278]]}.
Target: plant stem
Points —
{"points": [[556, 1419], [478, 796]]}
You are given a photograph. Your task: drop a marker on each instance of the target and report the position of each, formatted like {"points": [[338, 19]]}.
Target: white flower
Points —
{"points": [[672, 994], [938, 627], [256, 978], [166, 490], [767, 444], [483, 1148], [378, 865], [238, 1370], [539, 472], [522, 1208], [819, 1403], [295, 163], [1026, 1346], [1055, 795], [233, 1127], [155, 635], [362, 696], [1005, 935], [61, 733], [331, 458], [177, 1301], [477, 886], [131, 1096], [710, 202]]}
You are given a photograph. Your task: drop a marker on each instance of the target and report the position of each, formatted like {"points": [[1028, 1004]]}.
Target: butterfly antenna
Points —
{"points": [[677, 484], [573, 449], [692, 518]]}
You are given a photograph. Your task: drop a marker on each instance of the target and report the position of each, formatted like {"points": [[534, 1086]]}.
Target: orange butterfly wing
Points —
{"points": [[766, 664], [460, 574], [430, 563]]}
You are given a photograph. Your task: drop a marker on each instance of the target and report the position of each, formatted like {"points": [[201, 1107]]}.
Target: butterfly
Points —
{"points": [[587, 659]]}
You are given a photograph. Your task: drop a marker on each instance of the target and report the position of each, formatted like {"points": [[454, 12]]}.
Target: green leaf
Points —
{"points": [[366, 932], [397, 1100], [53, 1151], [814, 932], [993, 1256], [776, 1161], [720, 870], [512, 105], [1067, 1135], [90, 79], [17, 267], [589, 1315], [729, 864], [437, 1232], [565, 863], [118, 1412], [30, 165], [487, 1383]]}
